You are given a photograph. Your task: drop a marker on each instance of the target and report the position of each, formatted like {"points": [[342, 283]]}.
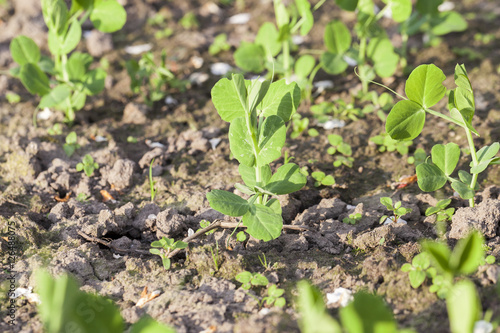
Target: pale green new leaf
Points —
{"points": [[467, 254], [247, 173], [430, 177], [304, 66], [282, 99], [55, 96], [72, 38], [108, 16], [461, 77], [268, 38], [227, 203], [446, 157], [287, 179], [250, 57], [446, 22], [337, 37], [439, 254], [241, 143], [226, 98], [485, 156], [405, 121], [400, 9], [262, 222], [463, 189], [304, 9], [271, 140], [464, 307], [24, 50], [77, 65], [425, 85], [464, 118], [333, 63], [34, 79], [256, 91]]}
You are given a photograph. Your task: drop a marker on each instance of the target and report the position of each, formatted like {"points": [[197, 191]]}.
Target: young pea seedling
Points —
{"points": [[71, 145], [87, 165], [164, 246], [396, 209], [75, 80], [257, 112], [424, 89]]}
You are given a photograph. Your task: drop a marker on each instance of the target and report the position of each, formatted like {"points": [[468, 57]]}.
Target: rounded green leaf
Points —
{"points": [[250, 57], [108, 16], [463, 189], [241, 143], [282, 99], [304, 65], [467, 254], [405, 121], [72, 38], [262, 222], [349, 5], [227, 100], [55, 96], [425, 85], [227, 203], [287, 179], [34, 79], [464, 307], [268, 38], [446, 157], [333, 63], [430, 177], [272, 138], [337, 37], [94, 81], [304, 9], [446, 22], [400, 9], [24, 50], [416, 278]]}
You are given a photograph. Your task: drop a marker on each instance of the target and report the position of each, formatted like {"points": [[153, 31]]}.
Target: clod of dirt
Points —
{"points": [[484, 217], [120, 175], [135, 114], [143, 221], [156, 153], [98, 43], [59, 211], [387, 234], [326, 209], [169, 223]]}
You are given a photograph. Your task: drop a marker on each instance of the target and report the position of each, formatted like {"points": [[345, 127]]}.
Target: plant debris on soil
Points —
{"points": [[100, 228]]}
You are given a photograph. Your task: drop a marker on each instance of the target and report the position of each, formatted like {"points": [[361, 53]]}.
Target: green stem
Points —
{"points": [[64, 60], [286, 60], [445, 117], [302, 19], [474, 162]]}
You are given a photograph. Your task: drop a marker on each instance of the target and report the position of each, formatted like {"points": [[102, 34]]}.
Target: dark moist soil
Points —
{"points": [[195, 294]]}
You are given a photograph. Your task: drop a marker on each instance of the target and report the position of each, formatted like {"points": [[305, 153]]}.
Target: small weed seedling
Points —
{"points": [[219, 44], [82, 197], [12, 98], [152, 183], [241, 236], [321, 179], [274, 297], [164, 246], [424, 89], [419, 269], [338, 145], [352, 218], [443, 214], [263, 261], [149, 79], [257, 112], [87, 165], [248, 280], [396, 209], [70, 146], [216, 256], [204, 224], [274, 294], [55, 130], [73, 78]]}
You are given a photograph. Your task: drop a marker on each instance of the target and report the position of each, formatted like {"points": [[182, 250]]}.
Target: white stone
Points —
{"points": [[138, 49], [339, 297], [242, 18]]}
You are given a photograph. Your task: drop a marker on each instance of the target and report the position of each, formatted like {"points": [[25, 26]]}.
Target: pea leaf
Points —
{"points": [[108, 16], [381, 51], [271, 140], [439, 254], [463, 189], [333, 63], [430, 177], [416, 278], [250, 57], [229, 99], [34, 79], [262, 222], [467, 254], [247, 173], [282, 99], [268, 38], [445, 22], [464, 307], [425, 85], [337, 37], [304, 9], [304, 66], [485, 156], [400, 9], [55, 96], [405, 121], [349, 5], [227, 203], [287, 179], [77, 65], [446, 157], [241, 143], [24, 50]]}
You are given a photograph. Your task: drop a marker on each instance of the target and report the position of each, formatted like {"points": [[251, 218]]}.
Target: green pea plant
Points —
{"points": [[63, 305], [273, 44], [87, 165], [150, 79], [71, 144], [396, 208], [339, 146], [365, 313], [164, 246], [406, 120], [257, 112], [64, 81], [274, 294]]}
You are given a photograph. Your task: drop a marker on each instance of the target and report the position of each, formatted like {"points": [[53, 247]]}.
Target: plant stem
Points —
{"points": [[474, 163], [286, 60]]}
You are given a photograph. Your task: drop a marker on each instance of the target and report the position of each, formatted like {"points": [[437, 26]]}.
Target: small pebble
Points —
{"points": [[242, 18], [138, 49]]}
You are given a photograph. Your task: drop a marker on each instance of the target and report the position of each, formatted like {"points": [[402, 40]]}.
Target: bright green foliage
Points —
{"points": [[219, 44], [406, 120], [352, 218], [274, 296], [189, 21], [339, 146], [64, 307], [164, 246], [396, 209], [339, 109], [55, 130], [12, 98], [204, 224], [150, 79], [386, 143], [337, 38], [299, 125], [257, 112], [87, 165], [74, 79], [442, 213], [321, 179], [152, 183], [241, 236], [464, 307], [313, 315], [82, 197], [419, 269], [71, 144], [248, 280]]}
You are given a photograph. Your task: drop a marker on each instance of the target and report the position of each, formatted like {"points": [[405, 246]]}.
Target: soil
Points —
{"points": [[84, 238]]}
